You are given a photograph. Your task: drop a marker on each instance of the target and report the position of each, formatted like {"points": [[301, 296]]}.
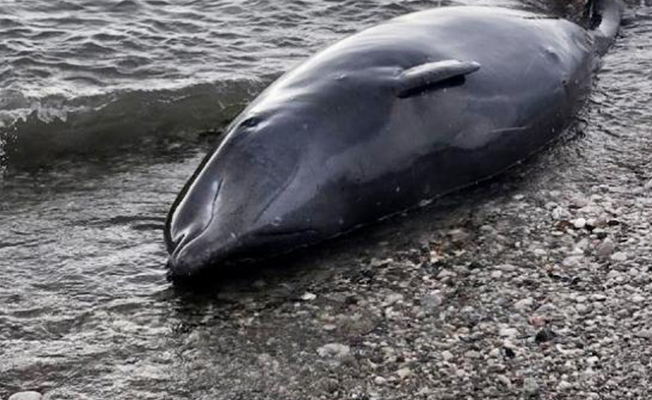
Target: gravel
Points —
{"points": [[522, 306]]}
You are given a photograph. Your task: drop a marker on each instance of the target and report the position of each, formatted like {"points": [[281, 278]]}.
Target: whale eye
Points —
{"points": [[250, 122]]}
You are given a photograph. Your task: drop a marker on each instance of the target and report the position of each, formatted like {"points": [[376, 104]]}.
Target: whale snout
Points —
{"points": [[192, 257], [210, 231]]}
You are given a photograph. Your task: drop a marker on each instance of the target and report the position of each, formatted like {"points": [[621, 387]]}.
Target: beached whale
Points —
{"points": [[382, 121]]}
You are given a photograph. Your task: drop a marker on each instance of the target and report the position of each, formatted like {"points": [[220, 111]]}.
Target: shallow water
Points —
{"points": [[85, 309]]}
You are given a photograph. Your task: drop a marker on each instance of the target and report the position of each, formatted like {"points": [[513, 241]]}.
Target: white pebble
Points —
{"points": [[579, 223], [540, 252], [308, 296], [496, 274], [334, 350], [26, 396], [508, 332], [637, 298], [404, 373], [564, 385], [393, 298], [619, 257], [524, 304]]}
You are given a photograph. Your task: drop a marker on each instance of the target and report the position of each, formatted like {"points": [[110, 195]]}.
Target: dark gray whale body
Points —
{"points": [[382, 121]]}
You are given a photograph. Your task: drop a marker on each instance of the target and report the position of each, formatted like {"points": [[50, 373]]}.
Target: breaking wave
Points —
{"points": [[34, 130]]}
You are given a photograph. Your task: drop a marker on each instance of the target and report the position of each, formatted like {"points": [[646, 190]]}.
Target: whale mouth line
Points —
{"points": [[266, 238], [288, 233], [187, 238]]}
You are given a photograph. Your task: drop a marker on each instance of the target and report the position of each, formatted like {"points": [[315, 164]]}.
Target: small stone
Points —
{"points": [[472, 354], [404, 373], [530, 387], [509, 352], [546, 309], [572, 261], [605, 249], [648, 185], [447, 355], [601, 221], [540, 252], [537, 321], [504, 380], [558, 213], [580, 202], [308, 296], [598, 297], [544, 335], [579, 223], [334, 350], [581, 246], [564, 385], [619, 257], [508, 332], [524, 304], [458, 235], [644, 334], [26, 396], [431, 301], [507, 267], [376, 262], [446, 274], [637, 298], [582, 308], [379, 380], [393, 298], [593, 360], [589, 373]]}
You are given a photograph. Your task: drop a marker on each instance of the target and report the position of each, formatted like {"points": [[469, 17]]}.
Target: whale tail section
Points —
{"points": [[604, 18]]}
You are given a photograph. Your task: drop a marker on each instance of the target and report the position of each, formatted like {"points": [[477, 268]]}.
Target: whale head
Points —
{"points": [[237, 204], [304, 162], [272, 185]]}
